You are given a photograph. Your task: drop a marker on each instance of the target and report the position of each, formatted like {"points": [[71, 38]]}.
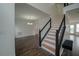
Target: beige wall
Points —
{"points": [[58, 13], [23, 29]]}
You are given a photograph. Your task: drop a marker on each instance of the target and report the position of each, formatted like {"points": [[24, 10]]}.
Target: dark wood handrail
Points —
{"points": [[63, 21], [45, 25], [59, 39], [41, 39]]}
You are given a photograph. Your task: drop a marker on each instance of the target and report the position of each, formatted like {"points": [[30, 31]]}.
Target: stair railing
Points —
{"points": [[40, 31], [59, 36]]}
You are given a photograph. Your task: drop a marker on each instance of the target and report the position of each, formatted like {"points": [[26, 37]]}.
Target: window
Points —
{"points": [[77, 27], [71, 37], [71, 28]]}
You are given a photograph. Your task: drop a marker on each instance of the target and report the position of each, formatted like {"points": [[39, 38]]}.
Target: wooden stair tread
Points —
{"points": [[48, 37], [48, 47], [54, 28], [52, 31], [52, 43], [51, 34]]}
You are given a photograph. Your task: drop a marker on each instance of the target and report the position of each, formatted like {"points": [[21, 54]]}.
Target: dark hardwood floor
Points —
{"points": [[25, 46], [36, 52]]}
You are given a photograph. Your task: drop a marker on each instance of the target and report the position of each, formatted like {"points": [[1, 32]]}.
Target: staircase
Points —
{"points": [[49, 43], [52, 39]]}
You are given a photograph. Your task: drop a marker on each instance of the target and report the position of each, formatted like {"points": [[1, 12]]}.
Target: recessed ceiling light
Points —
{"points": [[29, 23], [30, 17]]}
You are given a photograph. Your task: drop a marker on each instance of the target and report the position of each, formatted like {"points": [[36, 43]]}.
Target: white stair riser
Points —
{"points": [[54, 28], [51, 36]]}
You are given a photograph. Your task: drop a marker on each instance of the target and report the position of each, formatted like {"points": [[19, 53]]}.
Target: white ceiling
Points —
{"points": [[42, 6], [28, 13]]}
